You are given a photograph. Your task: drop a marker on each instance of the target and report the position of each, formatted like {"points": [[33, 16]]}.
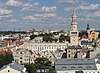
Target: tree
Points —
{"points": [[83, 33], [41, 63], [2, 60], [99, 35], [63, 38], [30, 68], [80, 71], [47, 37], [33, 36], [6, 59]]}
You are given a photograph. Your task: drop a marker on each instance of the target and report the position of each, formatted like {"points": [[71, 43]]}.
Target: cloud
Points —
{"points": [[14, 3], [45, 15], [95, 14], [30, 7], [68, 9], [49, 9], [36, 3], [27, 6], [5, 11], [89, 7], [87, 20], [29, 18], [65, 1], [13, 20]]}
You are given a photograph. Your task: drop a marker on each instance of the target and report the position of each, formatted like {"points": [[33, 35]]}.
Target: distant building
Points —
{"points": [[38, 39], [87, 65], [85, 43], [74, 32], [74, 52], [92, 34], [13, 68], [22, 56], [38, 47]]}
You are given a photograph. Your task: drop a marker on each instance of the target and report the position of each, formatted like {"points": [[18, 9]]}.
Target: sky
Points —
{"points": [[48, 14]]}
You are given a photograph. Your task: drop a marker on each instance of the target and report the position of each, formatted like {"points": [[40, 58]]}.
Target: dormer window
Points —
{"points": [[72, 67], [80, 67], [63, 67], [89, 67]]}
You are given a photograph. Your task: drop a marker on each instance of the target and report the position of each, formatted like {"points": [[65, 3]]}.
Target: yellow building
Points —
{"points": [[74, 52], [93, 35]]}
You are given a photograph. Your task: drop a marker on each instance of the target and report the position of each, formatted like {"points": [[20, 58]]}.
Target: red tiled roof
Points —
{"points": [[9, 50], [2, 52], [84, 36], [84, 50]]}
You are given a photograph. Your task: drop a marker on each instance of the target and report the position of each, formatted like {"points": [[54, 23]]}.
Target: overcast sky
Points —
{"points": [[48, 14]]}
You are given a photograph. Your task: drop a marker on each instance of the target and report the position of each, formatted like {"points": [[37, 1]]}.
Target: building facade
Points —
{"points": [[87, 65], [22, 56], [38, 47], [74, 52], [13, 68], [74, 32]]}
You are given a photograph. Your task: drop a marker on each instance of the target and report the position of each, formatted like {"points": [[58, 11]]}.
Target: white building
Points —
{"points": [[22, 56], [85, 43], [13, 68], [38, 47], [38, 39]]}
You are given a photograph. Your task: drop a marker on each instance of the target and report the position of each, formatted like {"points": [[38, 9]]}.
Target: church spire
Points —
{"points": [[88, 27]]}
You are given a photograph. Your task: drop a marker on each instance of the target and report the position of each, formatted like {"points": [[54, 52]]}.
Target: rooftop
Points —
{"points": [[75, 64]]}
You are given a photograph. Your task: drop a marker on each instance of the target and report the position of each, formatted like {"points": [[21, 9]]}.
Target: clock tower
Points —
{"points": [[74, 32]]}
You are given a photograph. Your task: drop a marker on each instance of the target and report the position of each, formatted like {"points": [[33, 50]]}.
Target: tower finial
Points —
{"points": [[74, 11]]}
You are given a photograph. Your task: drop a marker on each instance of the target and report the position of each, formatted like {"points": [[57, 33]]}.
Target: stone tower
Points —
{"points": [[74, 32]]}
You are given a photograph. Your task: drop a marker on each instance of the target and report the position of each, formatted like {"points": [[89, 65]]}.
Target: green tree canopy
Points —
{"points": [[6, 59], [33, 36], [80, 71], [83, 33], [42, 62], [30, 68], [64, 38]]}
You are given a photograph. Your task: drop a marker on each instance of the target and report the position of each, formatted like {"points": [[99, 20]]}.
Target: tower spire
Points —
{"points": [[74, 31], [88, 27], [74, 20]]}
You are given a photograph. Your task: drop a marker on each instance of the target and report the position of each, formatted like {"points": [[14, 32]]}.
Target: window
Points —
{"points": [[20, 57], [50, 56], [69, 55], [20, 52], [21, 62], [80, 67], [63, 67], [8, 70], [72, 67], [34, 55], [88, 66]]}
